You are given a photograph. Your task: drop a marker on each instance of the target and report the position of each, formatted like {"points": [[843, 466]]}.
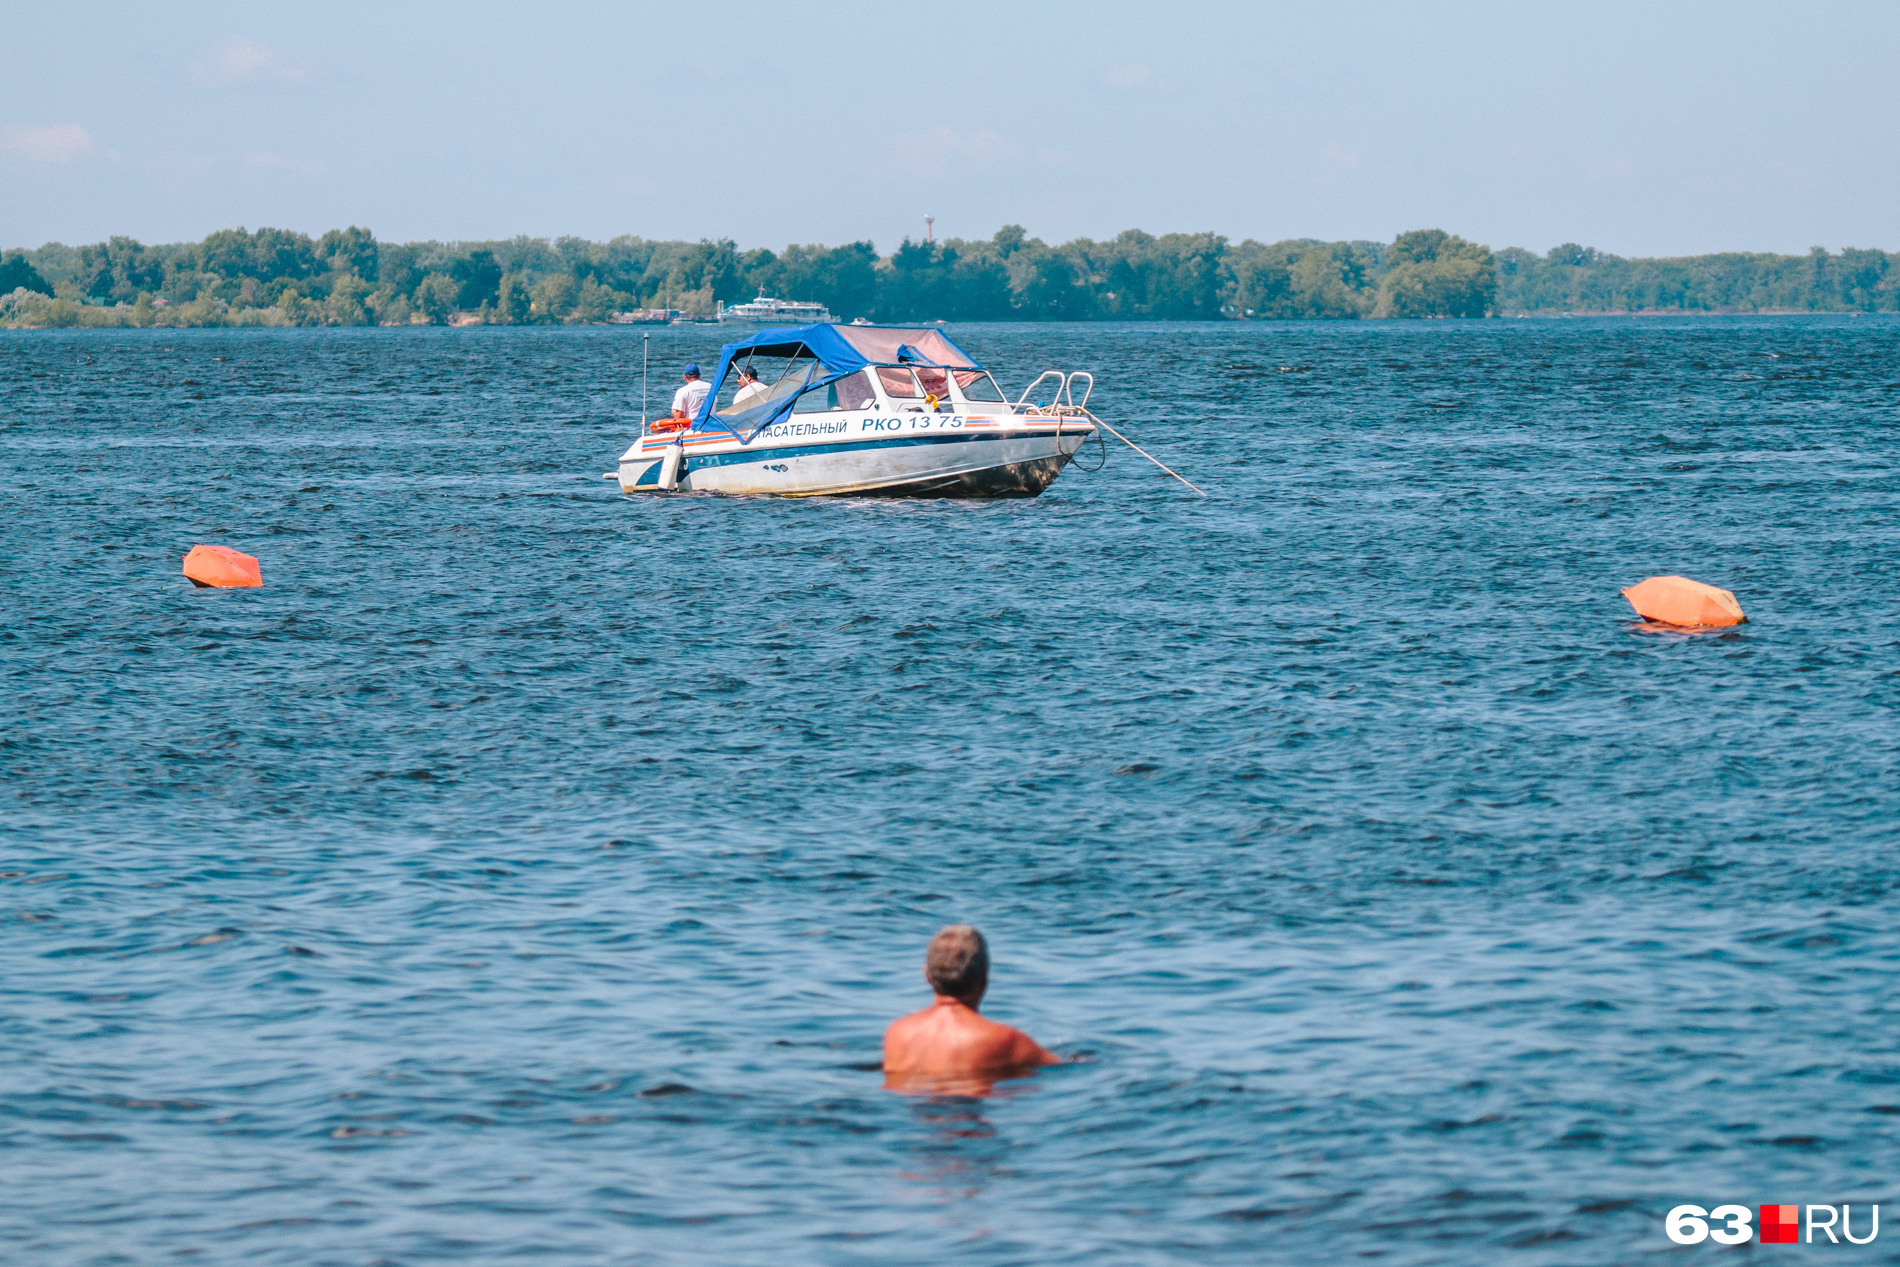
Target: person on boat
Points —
{"points": [[950, 1045], [751, 390], [690, 396]]}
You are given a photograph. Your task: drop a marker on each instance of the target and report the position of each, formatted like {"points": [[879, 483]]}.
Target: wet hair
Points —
{"points": [[958, 963]]}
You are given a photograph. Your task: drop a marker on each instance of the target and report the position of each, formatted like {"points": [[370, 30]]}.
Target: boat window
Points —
{"points": [[847, 393], [978, 386], [856, 391], [782, 377], [935, 383], [898, 383]]}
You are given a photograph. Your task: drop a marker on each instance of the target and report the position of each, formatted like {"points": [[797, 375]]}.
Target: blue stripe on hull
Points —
{"points": [[853, 446]]}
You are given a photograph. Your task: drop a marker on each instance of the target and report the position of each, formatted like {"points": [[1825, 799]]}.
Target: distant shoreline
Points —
{"points": [[1698, 312], [346, 277], [736, 331]]}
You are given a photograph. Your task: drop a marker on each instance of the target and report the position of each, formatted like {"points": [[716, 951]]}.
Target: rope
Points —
{"points": [[1137, 448], [1102, 445]]}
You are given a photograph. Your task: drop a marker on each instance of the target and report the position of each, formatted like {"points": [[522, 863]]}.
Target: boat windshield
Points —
{"points": [[779, 377], [978, 386]]}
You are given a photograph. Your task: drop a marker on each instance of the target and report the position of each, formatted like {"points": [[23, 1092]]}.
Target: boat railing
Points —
{"points": [[1062, 381], [1068, 389], [1062, 403]]}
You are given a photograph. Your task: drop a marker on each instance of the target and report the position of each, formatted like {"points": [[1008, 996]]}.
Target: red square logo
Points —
{"points": [[1780, 1224]]}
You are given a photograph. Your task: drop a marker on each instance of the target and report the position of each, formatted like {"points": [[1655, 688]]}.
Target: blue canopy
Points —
{"points": [[839, 350]]}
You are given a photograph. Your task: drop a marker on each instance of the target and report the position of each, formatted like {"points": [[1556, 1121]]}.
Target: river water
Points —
{"points": [[527, 872]]}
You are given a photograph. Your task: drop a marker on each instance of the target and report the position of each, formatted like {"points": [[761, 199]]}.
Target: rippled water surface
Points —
{"points": [[527, 872]]}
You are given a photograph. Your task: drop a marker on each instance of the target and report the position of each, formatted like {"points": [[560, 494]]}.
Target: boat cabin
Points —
{"points": [[839, 369]]}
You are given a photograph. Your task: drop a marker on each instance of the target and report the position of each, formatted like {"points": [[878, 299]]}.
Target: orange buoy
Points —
{"points": [[1677, 600], [218, 567]]}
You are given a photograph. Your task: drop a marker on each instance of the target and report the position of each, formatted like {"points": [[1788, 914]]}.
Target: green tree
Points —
{"points": [[436, 296], [233, 253], [282, 253], [1259, 279], [345, 304], [596, 302], [532, 256], [712, 267], [915, 284], [1045, 284], [979, 284], [555, 296], [95, 273], [16, 272], [1570, 255], [514, 304], [134, 268], [1175, 277], [1008, 240], [387, 307], [1328, 280], [842, 278], [1861, 274], [350, 250], [480, 279], [399, 266], [761, 271], [1432, 273]]}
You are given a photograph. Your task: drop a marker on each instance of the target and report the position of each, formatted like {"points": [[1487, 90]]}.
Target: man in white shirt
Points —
{"points": [[751, 390], [690, 396]]}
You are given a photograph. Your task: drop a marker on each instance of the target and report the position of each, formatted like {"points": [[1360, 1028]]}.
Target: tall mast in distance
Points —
{"points": [[929, 220]]}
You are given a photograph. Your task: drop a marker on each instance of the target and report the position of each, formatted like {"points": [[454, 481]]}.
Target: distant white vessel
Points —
{"points": [[766, 311]]}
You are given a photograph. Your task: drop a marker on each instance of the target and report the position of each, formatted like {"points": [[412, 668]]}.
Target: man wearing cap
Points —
{"points": [[751, 390], [690, 396]]}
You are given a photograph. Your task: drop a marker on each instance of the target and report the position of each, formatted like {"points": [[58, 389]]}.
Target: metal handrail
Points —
{"points": [[1063, 404], [1069, 388], [1062, 383]]}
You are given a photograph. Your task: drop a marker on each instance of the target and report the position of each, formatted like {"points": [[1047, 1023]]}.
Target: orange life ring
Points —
{"points": [[667, 426]]}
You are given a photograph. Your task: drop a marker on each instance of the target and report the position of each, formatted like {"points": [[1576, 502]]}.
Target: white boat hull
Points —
{"points": [[868, 455]]}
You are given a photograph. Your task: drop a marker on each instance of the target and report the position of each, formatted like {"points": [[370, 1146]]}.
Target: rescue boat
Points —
{"points": [[863, 411]]}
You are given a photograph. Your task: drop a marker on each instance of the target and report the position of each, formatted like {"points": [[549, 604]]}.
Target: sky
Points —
{"points": [[1640, 129]]}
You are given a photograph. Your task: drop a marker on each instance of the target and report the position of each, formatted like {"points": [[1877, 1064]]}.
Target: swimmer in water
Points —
{"points": [[950, 1046]]}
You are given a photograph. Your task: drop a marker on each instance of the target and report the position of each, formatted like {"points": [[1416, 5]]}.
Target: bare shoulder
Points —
{"points": [[904, 1024], [1021, 1049]]}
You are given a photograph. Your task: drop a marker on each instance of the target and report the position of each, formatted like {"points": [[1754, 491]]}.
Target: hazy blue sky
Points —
{"points": [[1638, 128]]}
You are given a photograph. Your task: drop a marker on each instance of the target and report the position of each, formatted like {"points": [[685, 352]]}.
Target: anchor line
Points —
{"points": [[1137, 448], [1103, 445]]}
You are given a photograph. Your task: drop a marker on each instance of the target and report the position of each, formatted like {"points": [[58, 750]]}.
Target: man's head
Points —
{"points": [[749, 374], [690, 373], [958, 963]]}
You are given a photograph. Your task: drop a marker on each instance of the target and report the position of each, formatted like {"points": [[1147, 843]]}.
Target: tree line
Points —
{"points": [[1580, 279], [348, 277]]}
